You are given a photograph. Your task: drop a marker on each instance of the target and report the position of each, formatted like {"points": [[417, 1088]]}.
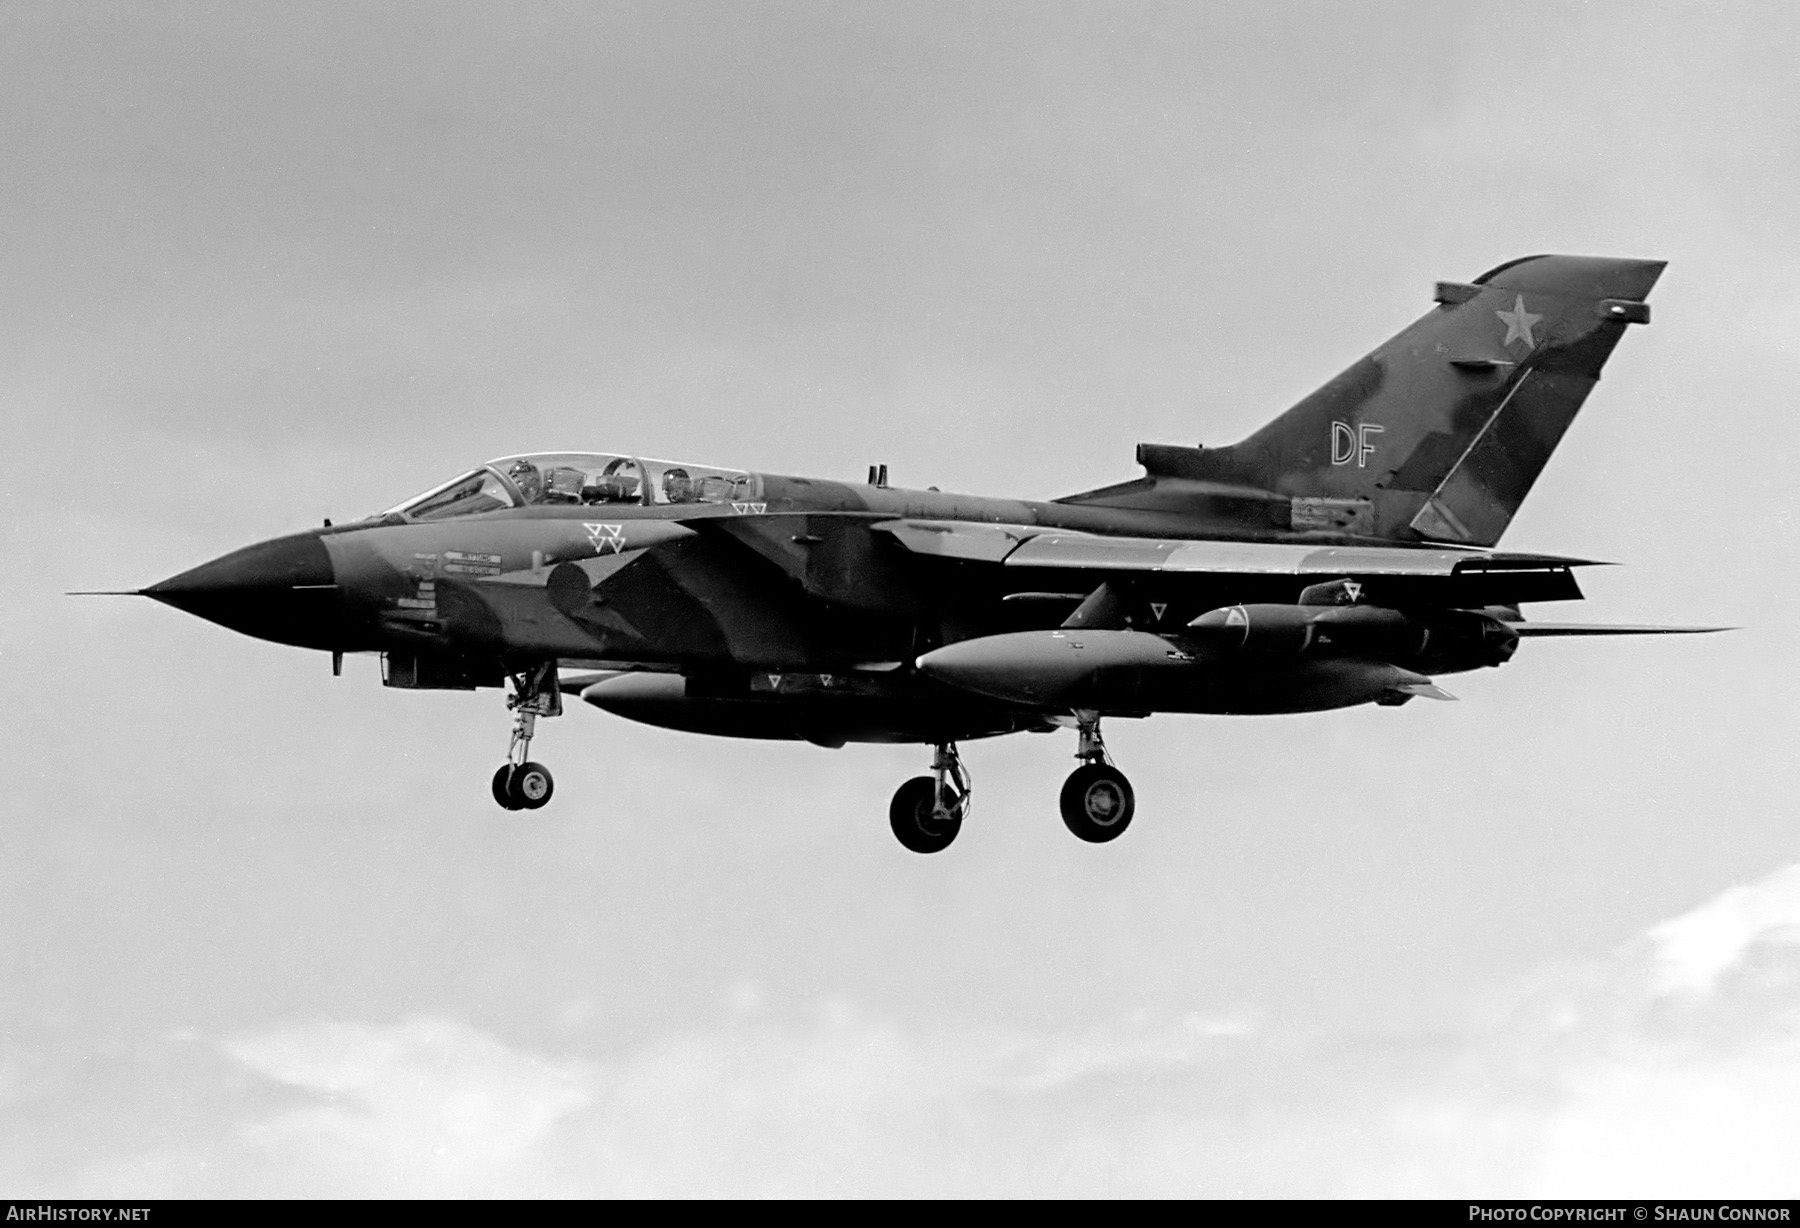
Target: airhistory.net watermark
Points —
{"points": [[49, 1213]]}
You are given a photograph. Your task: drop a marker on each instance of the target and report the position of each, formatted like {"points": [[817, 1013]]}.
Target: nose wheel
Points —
{"points": [[927, 811], [521, 784], [1097, 800]]}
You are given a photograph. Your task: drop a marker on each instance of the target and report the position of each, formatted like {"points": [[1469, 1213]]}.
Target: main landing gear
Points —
{"points": [[521, 784], [927, 811], [1097, 800]]}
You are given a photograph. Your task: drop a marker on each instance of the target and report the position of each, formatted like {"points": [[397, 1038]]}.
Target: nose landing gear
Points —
{"points": [[1097, 800], [521, 784], [927, 811]]}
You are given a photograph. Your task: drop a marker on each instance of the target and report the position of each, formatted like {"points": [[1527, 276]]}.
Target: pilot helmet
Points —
{"points": [[677, 486], [526, 477]]}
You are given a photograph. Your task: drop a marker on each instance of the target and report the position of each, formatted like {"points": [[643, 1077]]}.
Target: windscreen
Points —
{"points": [[481, 491]]}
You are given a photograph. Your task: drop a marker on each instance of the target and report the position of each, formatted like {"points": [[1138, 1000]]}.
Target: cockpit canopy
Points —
{"points": [[579, 479]]}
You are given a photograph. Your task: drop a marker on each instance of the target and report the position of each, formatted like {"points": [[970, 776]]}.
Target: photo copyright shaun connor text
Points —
{"points": [[1643, 1212]]}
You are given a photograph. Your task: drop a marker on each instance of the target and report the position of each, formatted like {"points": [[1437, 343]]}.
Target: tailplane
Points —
{"points": [[1439, 434]]}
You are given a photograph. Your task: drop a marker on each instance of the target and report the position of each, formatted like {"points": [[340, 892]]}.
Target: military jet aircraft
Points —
{"points": [[1341, 555]]}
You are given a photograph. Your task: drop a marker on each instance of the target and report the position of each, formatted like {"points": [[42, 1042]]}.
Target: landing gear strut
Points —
{"points": [[1097, 800], [927, 811], [521, 784]]}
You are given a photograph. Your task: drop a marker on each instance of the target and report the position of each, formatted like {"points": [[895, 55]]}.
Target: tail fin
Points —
{"points": [[1440, 433]]}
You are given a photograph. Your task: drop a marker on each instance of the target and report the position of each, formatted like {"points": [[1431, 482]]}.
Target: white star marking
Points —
{"points": [[1518, 323]]}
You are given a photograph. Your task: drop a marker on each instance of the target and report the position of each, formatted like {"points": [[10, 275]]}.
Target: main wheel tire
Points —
{"points": [[503, 787], [911, 816], [1097, 803], [531, 786]]}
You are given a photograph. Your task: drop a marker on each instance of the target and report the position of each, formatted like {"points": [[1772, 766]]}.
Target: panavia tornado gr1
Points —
{"points": [[1341, 555]]}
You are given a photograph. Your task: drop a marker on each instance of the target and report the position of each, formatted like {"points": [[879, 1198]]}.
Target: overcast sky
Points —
{"points": [[264, 931]]}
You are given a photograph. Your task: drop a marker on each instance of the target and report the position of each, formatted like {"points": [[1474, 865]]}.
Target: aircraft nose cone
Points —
{"points": [[282, 590]]}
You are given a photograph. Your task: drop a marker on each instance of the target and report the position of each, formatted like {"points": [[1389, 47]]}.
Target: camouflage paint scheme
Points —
{"points": [[1337, 556]]}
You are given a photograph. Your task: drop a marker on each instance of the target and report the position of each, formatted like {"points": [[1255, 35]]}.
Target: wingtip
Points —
{"points": [[1426, 689]]}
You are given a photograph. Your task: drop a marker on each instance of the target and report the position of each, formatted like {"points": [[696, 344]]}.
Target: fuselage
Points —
{"points": [[398, 580], [769, 606]]}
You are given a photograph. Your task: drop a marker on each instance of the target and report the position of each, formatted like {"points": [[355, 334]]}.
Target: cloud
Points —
{"points": [[1695, 949], [1660, 1125], [1699, 1094], [837, 1103], [429, 1106], [1669, 1069]]}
